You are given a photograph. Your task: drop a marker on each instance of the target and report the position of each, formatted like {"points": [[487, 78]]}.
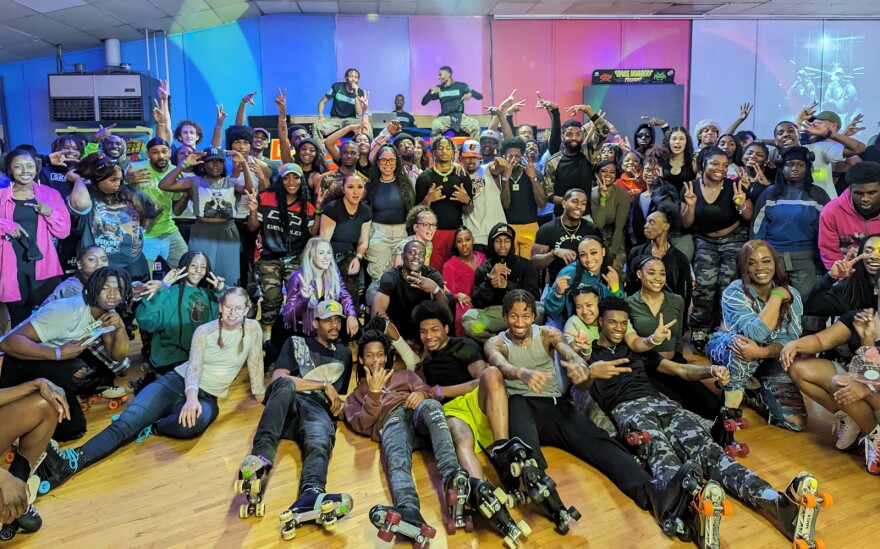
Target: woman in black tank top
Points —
{"points": [[680, 167]]}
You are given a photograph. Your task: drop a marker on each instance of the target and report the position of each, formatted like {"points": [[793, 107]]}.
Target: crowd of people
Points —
{"points": [[493, 294]]}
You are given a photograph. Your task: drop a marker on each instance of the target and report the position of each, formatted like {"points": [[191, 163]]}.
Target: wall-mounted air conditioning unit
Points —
{"points": [[101, 97]]}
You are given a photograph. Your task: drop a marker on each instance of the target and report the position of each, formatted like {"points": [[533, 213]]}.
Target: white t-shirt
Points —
{"points": [[64, 320], [487, 206], [827, 153]]}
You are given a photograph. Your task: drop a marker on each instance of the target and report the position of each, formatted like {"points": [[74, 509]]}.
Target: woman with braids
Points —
{"points": [[32, 217], [284, 231], [112, 215], [183, 403], [390, 196], [70, 342], [762, 313], [187, 298], [849, 285]]}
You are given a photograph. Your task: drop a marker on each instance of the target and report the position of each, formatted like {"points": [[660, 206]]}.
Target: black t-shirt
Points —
{"points": [[348, 227], [721, 214], [302, 355], [56, 177], [572, 172], [553, 235], [449, 365], [624, 387], [523, 209], [343, 100], [298, 224], [871, 154], [406, 119], [447, 210], [854, 341], [387, 205], [450, 97], [404, 298]]}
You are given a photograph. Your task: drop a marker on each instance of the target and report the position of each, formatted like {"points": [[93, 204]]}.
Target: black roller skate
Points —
{"points": [[457, 490], [324, 509], [404, 522], [489, 501], [29, 521], [253, 475], [729, 421], [137, 385], [57, 467], [795, 510], [522, 478], [670, 500]]}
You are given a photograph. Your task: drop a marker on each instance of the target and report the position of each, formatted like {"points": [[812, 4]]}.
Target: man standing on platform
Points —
{"points": [[406, 119], [452, 96], [346, 108]]}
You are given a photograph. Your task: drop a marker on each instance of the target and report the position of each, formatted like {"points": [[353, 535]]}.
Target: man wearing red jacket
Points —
{"points": [[849, 218]]}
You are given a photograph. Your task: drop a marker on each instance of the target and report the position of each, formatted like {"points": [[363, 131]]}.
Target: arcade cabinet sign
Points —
{"points": [[634, 76]]}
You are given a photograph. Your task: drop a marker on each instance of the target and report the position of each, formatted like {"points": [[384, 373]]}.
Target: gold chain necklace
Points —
{"points": [[573, 231], [445, 176]]}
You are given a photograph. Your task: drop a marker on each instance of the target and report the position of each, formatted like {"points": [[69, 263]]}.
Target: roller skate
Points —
{"points": [[708, 506], [729, 421], [113, 396], [252, 480], [29, 521], [795, 510], [490, 502], [324, 509], [57, 466], [404, 522], [137, 385], [670, 500], [522, 478], [457, 490], [637, 438]]}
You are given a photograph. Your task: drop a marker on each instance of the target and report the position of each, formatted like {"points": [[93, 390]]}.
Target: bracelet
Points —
{"points": [[57, 354], [436, 291], [319, 212], [185, 164], [359, 256], [780, 293], [651, 340], [741, 210], [439, 396], [603, 198]]}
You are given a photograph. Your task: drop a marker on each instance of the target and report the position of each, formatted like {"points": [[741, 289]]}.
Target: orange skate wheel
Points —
{"points": [[113, 404], [800, 544], [820, 543], [827, 500], [808, 500], [10, 456], [706, 508], [726, 508]]}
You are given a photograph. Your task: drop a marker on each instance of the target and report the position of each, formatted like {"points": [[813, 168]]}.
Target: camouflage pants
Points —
{"points": [[676, 435], [714, 264], [274, 274], [469, 125]]}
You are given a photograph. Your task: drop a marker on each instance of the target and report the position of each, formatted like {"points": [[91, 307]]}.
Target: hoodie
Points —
{"points": [[523, 274], [841, 227]]}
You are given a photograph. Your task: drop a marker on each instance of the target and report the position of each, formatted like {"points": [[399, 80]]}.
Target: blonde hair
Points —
{"points": [[327, 279], [240, 292]]}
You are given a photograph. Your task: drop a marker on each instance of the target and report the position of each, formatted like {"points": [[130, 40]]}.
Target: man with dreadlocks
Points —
{"points": [[51, 344]]}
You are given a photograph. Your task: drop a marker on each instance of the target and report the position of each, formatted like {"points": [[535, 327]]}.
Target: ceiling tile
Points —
{"points": [[180, 7], [735, 8], [398, 8], [161, 24], [40, 26], [224, 3], [229, 14], [40, 48], [267, 7], [13, 10], [358, 7], [123, 33], [319, 7], [198, 20], [10, 36], [85, 18], [437, 7], [76, 41], [126, 10], [512, 8], [9, 57], [46, 6], [550, 8], [471, 8]]}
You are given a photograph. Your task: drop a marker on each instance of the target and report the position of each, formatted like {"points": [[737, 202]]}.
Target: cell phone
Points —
{"points": [[98, 332]]}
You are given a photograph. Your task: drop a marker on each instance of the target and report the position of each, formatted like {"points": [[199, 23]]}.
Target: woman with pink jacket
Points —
{"points": [[30, 216]]}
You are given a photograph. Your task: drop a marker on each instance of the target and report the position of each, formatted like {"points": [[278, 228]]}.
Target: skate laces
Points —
{"points": [[144, 434], [72, 458], [846, 430]]}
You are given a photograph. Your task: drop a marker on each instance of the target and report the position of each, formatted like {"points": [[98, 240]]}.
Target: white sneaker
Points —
{"points": [[847, 431], [872, 451], [113, 392]]}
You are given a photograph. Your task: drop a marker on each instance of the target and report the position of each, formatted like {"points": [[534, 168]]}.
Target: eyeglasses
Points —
{"points": [[239, 309], [387, 161], [428, 225]]}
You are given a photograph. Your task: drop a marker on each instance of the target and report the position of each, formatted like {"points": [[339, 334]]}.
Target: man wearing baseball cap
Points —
{"points": [[162, 238], [262, 140], [302, 404], [828, 146], [489, 141], [487, 210]]}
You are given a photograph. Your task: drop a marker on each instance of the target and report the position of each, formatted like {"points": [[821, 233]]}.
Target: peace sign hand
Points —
{"points": [[305, 290], [174, 275], [689, 197], [249, 98], [530, 169], [739, 195], [216, 281], [281, 100], [253, 204], [221, 115], [843, 268], [662, 333]]}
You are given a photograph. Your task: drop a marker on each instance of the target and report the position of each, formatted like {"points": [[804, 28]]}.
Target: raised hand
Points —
{"points": [[606, 369], [663, 332], [305, 290], [651, 121], [104, 133], [739, 193], [689, 197], [744, 110], [509, 100], [530, 169], [808, 112], [60, 158], [545, 104], [218, 282], [843, 268], [148, 289], [173, 276], [813, 128], [376, 381], [562, 284], [611, 278], [237, 157], [515, 107], [163, 91], [853, 127], [281, 101], [253, 203], [364, 100], [249, 98], [575, 109], [158, 113], [195, 158], [221, 115]]}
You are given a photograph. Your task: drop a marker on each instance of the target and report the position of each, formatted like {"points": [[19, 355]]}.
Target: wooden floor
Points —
{"points": [[168, 493]]}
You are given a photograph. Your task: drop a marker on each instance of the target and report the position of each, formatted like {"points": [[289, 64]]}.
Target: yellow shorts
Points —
{"points": [[467, 408]]}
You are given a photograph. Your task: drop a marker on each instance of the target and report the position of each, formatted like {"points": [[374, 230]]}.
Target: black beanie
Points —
{"points": [[234, 133]]}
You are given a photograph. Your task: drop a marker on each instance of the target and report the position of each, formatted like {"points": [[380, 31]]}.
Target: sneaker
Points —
{"points": [[112, 392], [847, 431], [699, 340], [872, 451]]}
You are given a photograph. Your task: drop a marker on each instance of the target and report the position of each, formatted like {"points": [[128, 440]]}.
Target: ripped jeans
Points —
{"points": [[77, 376], [403, 432]]}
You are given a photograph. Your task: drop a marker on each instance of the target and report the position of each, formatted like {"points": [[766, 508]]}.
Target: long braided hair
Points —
{"points": [[240, 292], [185, 261]]}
